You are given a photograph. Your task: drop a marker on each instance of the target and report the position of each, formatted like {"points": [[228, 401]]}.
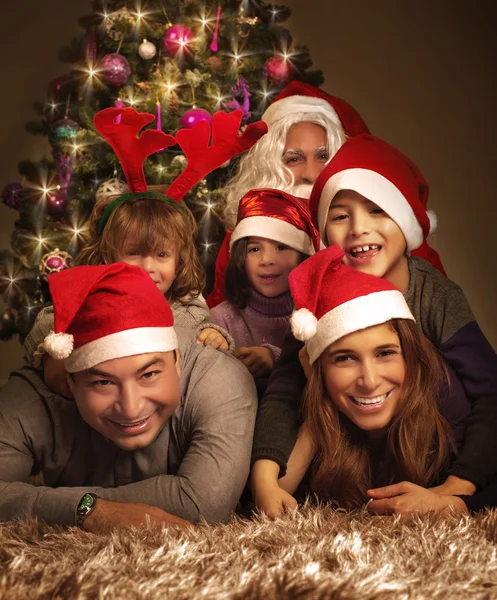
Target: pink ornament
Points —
{"points": [[214, 47], [115, 69], [278, 70], [54, 262], [194, 116], [177, 39]]}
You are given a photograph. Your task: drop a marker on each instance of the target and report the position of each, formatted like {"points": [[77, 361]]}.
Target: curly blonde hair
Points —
{"points": [[144, 225]]}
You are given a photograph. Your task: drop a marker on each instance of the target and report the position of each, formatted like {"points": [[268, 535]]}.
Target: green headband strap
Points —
{"points": [[126, 198]]}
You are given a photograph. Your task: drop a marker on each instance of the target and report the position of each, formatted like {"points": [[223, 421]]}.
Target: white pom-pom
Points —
{"points": [[59, 345], [304, 324], [433, 220]]}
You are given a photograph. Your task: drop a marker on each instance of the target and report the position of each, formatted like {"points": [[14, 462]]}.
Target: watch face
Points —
{"points": [[85, 504]]}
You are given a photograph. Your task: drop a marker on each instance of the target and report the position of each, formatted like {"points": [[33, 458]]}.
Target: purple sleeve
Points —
{"points": [[474, 362], [219, 316]]}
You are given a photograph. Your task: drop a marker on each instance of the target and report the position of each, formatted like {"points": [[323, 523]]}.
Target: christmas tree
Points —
{"points": [[181, 60]]}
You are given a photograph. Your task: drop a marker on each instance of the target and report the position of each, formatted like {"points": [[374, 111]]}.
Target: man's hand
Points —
{"points": [[55, 376], [406, 499], [258, 360], [455, 485], [110, 515], [212, 337], [304, 361]]}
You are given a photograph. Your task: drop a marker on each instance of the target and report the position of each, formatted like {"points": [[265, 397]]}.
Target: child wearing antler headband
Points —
{"points": [[150, 229], [273, 234]]}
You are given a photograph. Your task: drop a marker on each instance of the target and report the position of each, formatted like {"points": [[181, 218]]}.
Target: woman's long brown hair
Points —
{"points": [[418, 442], [147, 225]]}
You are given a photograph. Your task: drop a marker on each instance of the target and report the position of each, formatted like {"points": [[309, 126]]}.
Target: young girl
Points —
{"points": [[371, 200], [371, 405], [273, 235], [148, 228]]}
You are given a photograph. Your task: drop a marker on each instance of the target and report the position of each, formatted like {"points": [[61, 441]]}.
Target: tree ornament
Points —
{"points": [[54, 262], [111, 187], [241, 98], [119, 23], [115, 69], [278, 70], [214, 45], [177, 39], [214, 63], [63, 132], [194, 116], [146, 50], [13, 195]]}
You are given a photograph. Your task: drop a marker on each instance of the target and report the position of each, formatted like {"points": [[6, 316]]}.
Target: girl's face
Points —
{"points": [[161, 266], [305, 155], [268, 265], [373, 243], [363, 375]]}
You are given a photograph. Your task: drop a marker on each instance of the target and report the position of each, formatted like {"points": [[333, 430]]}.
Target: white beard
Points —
{"points": [[302, 190]]}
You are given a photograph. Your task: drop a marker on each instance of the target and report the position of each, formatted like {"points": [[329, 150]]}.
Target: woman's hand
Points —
{"points": [[212, 337], [407, 498], [259, 360]]}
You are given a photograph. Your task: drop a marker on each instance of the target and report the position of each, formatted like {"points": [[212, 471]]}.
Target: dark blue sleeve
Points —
{"points": [[487, 498], [474, 362]]}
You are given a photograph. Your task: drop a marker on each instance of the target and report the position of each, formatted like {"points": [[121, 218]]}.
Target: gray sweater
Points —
{"points": [[196, 467]]}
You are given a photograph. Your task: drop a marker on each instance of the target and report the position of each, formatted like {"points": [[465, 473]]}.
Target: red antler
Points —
{"points": [[120, 127], [202, 158]]}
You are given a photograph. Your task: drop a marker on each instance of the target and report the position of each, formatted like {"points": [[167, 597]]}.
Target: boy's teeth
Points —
{"points": [[369, 401], [364, 248]]}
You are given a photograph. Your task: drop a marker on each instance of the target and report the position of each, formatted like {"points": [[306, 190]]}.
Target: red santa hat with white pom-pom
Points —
{"points": [[106, 312], [381, 173], [333, 300], [277, 216], [301, 97]]}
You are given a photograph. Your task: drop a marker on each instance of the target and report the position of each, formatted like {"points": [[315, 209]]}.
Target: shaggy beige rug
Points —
{"points": [[314, 553]]}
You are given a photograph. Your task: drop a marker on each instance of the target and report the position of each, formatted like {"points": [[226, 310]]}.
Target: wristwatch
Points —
{"points": [[85, 506]]}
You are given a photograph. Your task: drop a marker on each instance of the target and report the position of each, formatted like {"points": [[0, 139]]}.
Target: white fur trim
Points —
{"points": [[59, 345], [299, 104], [273, 229], [304, 324], [433, 220], [357, 314], [379, 190], [131, 342]]}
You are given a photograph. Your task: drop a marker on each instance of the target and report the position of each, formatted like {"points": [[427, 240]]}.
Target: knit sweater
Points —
{"points": [[443, 314], [263, 322]]}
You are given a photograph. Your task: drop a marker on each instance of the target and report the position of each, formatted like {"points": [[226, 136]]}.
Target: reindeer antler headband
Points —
{"points": [[120, 127]]}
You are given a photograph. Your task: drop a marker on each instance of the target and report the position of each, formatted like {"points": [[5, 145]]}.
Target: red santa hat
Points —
{"points": [[298, 96], [106, 312], [381, 173], [333, 300], [277, 216]]}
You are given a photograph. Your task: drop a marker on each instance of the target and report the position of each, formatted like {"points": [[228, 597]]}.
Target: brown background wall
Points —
{"points": [[421, 73]]}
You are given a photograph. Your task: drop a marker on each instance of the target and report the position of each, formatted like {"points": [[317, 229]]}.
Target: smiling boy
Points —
{"points": [[149, 435]]}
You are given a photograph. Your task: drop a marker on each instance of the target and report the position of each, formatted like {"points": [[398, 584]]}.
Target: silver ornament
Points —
{"points": [[110, 187], [146, 50]]}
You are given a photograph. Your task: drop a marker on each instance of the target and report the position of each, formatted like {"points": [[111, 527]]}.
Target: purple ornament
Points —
{"points": [[115, 69], [54, 262], [278, 70], [12, 195], [240, 90], [176, 39], [194, 116]]}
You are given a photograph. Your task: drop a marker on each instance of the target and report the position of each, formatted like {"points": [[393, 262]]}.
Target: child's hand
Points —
{"points": [[55, 376], [212, 337], [258, 360], [274, 501]]}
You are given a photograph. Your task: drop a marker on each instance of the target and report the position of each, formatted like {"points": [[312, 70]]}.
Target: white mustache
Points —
{"points": [[303, 190]]}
